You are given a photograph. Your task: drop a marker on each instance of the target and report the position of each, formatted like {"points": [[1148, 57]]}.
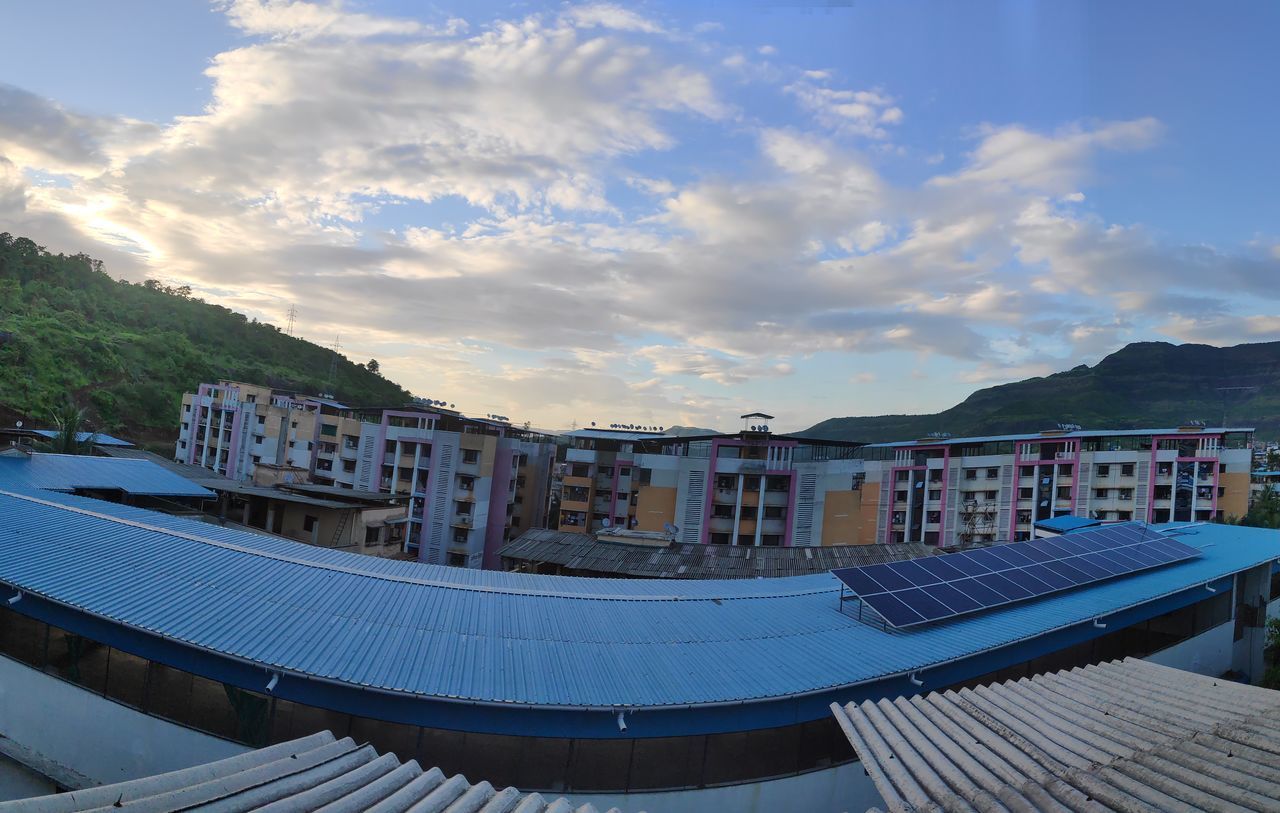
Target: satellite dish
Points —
{"points": [[671, 529], [593, 423], [19, 424], [606, 522]]}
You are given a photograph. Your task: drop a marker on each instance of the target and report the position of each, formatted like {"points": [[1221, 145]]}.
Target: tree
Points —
{"points": [[372, 366], [70, 437], [1273, 459], [1265, 511]]}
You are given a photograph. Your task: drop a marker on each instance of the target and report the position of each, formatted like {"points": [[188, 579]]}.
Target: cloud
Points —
{"points": [[507, 214], [1015, 157], [858, 112]]}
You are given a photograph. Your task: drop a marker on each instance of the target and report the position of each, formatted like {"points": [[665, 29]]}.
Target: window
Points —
{"points": [[1104, 470], [1126, 493], [1124, 516], [726, 483], [935, 494], [900, 496], [372, 535], [470, 455], [990, 495], [624, 471], [1064, 492], [1024, 517], [1101, 493], [1026, 493], [1064, 470], [971, 474], [775, 512], [308, 523], [457, 559], [329, 430], [993, 473], [934, 517], [1126, 470], [1028, 471]]}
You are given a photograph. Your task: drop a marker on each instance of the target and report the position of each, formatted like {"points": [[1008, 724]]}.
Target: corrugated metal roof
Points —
{"points": [[318, 772], [462, 634], [65, 472], [1066, 523], [99, 439], [1079, 433], [581, 552], [1129, 735], [192, 472]]}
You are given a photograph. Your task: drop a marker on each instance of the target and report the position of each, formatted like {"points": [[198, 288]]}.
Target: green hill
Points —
{"points": [[1146, 384], [127, 352]]}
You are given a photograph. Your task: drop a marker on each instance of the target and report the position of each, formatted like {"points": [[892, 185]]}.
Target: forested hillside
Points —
{"points": [[127, 352], [1145, 384]]}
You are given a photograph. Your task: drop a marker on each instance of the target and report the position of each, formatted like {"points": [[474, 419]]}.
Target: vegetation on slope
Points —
{"points": [[1146, 384], [127, 352]]}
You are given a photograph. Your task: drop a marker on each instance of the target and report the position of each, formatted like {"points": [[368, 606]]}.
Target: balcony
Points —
{"points": [[1064, 456], [463, 521], [777, 497]]}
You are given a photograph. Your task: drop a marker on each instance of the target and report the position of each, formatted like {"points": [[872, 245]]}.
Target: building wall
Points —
{"points": [[1235, 499], [81, 739], [842, 518], [655, 508]]}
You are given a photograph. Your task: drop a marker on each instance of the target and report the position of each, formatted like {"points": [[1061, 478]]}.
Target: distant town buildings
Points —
{"points": [[749, 488], [472, 483], [943, 490]]}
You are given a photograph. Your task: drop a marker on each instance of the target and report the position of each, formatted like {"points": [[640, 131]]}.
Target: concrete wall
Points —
{"points": [[842, 519], [655, 507], [832, 790], [81, 739]]}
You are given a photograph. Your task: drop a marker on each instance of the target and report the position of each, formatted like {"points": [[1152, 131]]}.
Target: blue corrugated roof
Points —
{"points": [[64, 472], [509, 638], [1067, 522], [98, 438]]}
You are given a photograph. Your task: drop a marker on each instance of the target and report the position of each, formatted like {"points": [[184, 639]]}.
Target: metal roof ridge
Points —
{"points": [[477, 588]]}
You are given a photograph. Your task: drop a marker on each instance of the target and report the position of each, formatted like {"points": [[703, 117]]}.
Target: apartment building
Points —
{"points": [[943, 490], [473, 483], [749, 488], [250, 432]]}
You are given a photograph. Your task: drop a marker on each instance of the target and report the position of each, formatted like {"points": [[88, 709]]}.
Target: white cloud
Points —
{"points": [[859, 112], [327, 121]]}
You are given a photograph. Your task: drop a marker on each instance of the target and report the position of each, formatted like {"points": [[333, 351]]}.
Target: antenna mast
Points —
{"points": [[293, 314], [333, 367]]}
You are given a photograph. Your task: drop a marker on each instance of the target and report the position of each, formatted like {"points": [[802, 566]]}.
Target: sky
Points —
{"points": [[668, 213]]}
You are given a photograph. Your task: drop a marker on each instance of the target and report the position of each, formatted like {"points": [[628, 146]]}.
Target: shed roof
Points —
{"points": [[1067, 522], [1126, 735], [62, 472], [99, 439], [311, 773], [689, 561]]}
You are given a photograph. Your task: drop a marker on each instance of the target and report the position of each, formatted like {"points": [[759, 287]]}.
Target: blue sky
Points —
{"points": [[669, 212]]}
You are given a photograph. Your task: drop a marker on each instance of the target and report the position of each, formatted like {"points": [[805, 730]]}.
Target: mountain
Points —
{"points": [[684, 431], [127, 352], [1145, 384]]}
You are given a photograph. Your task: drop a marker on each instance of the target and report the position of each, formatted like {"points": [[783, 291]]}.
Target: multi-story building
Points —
{"points": [[943, 490], [749, 488], [473, 483], [250, 432]]}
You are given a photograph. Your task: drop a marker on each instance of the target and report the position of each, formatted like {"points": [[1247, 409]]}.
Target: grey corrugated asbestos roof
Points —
{"points": [[313, 773], [1128, 736], [581, 552]]}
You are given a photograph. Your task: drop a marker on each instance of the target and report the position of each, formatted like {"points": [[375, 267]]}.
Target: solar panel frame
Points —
{"points": [[909, 593]]}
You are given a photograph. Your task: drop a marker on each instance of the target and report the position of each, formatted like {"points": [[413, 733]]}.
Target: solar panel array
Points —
{"points": [[939, 587]]}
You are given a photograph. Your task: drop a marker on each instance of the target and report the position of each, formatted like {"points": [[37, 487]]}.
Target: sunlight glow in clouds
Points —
{"points": [[563, 254]]}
